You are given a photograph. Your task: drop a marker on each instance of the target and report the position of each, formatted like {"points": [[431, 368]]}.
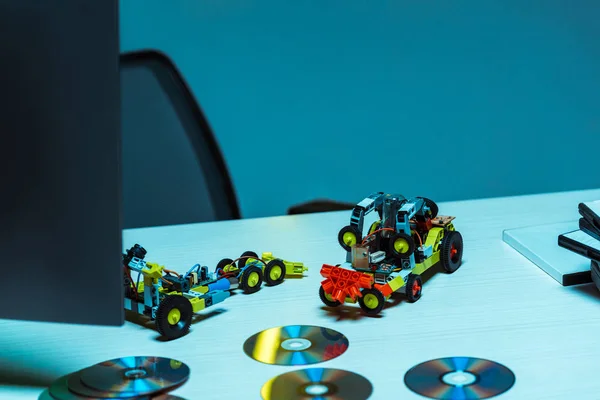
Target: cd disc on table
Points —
{"points": [[295, 345], [59, 390], [459, 378], [317, 383], [46, 395], [133, 376]]}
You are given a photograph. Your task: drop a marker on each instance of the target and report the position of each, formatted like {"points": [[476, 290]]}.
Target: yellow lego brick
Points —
{"points": [[197, 304], [428, 263], [396, 283], [200, 289]]}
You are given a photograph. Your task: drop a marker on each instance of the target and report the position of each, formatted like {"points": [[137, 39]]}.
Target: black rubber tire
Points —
{"points": [[411, 294], [242, 262], [348, 229], [451, 260], [380, 301], [325, 300], [409, 240], [182, 327], [276, 263], [432, 206], [244, 279], [223, 263]]}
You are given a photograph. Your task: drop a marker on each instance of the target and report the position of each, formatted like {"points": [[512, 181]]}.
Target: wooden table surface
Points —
{"points": [[497, 306]]}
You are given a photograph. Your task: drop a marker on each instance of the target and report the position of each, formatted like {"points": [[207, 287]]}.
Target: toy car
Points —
{"points": [[408, 239], [166, 297], [251, 271]]}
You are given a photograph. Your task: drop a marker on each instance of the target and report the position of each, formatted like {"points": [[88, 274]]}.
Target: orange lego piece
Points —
{"points": [[341, 283], [385, 289]]}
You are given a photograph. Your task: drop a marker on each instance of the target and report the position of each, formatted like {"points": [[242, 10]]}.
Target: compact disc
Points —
{"points": [[60, 390], [318, 384], [295, 345], [459, 378], [78, 388], [130, 377], [46, 395]]}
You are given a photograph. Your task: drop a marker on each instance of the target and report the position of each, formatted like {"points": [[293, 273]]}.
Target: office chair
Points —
{"points": [[173, 170]]}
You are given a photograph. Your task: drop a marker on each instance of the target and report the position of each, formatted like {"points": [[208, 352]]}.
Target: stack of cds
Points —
{"points": [[586, 240], [146, 378]]}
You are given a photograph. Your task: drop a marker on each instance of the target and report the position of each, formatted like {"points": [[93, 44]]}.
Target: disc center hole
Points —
{"points": [[459, 378], [296, 344], [135, 373], [316, 390]]}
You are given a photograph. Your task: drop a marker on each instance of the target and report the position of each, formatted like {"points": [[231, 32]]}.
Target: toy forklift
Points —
{"points": [[408, 239]]}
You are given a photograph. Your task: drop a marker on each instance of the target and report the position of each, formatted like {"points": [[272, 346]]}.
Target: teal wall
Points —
{"points": [[338, 98]]}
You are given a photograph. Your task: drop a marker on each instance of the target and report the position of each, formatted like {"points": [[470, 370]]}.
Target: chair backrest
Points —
{"points": [[173, 169]]}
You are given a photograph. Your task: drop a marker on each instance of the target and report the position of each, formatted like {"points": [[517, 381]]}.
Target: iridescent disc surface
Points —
{"points": [[295, 345], [131, 376], [60, 390], [317, 384], [459, 378], [77, 387]]}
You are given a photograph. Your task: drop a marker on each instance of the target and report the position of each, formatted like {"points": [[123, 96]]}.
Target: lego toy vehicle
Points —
{"points": [[407, 239], [250, 271], [166, 297]]}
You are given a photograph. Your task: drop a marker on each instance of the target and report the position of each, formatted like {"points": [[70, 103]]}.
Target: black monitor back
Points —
{"points": [[60, 227]]}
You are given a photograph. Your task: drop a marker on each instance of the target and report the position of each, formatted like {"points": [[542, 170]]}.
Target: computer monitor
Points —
{"points": [[60, 222]]}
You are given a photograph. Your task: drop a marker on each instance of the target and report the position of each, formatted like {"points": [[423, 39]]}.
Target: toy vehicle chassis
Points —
{"points": [[249, 271], [164, 296]]}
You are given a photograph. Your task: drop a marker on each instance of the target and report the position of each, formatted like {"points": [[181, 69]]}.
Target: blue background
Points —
{"points": [[330, 98]]}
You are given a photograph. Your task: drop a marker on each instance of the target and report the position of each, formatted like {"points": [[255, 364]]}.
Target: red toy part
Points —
{"points": [[341, 283], [334, 350], [385, 289]]}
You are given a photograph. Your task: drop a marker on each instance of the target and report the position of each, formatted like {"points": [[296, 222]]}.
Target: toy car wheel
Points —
{"points": [[452, 250], [251, 279], [174, 317], [401, 245], [274, 272], [414, 288], [434, 209], [371, 301], [348, 237], [223, 263], [326, 299], [243, 261]]}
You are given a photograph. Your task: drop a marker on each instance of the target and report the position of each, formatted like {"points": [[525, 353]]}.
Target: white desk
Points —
{"points": [[497, 306]]}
